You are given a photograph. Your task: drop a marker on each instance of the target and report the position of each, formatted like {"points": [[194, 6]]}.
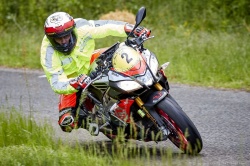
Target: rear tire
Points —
{"points": [[183, 134]]}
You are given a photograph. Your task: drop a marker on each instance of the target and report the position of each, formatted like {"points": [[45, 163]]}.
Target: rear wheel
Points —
{"points": [[183, 132]]}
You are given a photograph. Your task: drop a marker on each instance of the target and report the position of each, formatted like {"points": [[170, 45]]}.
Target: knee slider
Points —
{"points": [[66, 120]]}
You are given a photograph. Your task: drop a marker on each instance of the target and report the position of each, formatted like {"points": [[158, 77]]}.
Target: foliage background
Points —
{"points": [[207, 42], [200, 14]]}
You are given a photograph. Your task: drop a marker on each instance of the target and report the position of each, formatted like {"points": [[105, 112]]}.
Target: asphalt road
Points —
{"points": [[221, 116]]}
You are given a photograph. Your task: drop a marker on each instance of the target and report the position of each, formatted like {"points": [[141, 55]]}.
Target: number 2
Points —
{"points": [[126, 55]]}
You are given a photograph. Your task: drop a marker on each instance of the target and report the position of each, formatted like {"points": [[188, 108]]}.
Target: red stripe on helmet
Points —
{"points": [[59, 29]]}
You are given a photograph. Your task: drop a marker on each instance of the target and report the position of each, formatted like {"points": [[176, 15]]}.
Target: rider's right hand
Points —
{"points": [[80, 82]]}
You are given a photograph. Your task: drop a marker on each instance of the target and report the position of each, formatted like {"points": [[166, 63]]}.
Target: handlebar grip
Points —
{"points": [[93, 75]]}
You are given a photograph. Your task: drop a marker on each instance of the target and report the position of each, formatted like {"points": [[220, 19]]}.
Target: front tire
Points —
{"points": [[183, 134]]}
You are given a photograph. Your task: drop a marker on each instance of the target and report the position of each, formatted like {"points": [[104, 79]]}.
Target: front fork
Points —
{"points": [[149, 109]]}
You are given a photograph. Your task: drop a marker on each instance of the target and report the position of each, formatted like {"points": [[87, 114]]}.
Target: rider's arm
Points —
{"points": [[87, 31], [53, 70], [101, 28]]}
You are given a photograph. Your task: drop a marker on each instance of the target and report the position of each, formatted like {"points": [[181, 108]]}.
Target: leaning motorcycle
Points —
{"points": [[130, 91]]}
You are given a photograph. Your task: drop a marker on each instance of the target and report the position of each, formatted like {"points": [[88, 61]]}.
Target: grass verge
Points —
{"points": [[24, 142], [215, 59]]}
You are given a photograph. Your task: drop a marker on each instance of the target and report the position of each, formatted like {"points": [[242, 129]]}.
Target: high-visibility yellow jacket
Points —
{"points": [[60, 68]]}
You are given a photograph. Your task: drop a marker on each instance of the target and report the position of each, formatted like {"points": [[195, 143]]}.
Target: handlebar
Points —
{"points": [[103, 61], [92, 80], [93, 75], [137, 42]]}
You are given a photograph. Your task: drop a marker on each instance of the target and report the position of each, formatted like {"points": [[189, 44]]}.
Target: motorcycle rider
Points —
{"points": [[66, 52]]}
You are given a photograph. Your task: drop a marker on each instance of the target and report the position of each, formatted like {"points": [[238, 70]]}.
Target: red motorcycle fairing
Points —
{"points": [[122, 111], [96, 54]]}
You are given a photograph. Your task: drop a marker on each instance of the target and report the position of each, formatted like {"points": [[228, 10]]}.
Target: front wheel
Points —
{"points": [[183, 132]]}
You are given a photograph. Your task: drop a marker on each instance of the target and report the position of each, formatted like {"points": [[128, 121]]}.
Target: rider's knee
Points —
{"points": [[67, 120]]}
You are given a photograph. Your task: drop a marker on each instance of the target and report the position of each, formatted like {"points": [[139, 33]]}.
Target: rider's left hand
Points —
{"points": [[141, 30], [138, 31]]}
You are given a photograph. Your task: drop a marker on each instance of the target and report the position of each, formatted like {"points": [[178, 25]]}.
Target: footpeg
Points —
{"points": [[93, 129]]}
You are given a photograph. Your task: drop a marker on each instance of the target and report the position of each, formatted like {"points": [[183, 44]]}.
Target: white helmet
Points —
{"points": [[57, 25]]}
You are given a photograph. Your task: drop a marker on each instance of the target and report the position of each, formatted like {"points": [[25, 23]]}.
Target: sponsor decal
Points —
{"points": [[56, 19], [157, 97]]}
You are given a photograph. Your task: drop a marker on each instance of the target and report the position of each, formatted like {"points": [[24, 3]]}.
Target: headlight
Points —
{"points": [[128, 86], [147, 79]]}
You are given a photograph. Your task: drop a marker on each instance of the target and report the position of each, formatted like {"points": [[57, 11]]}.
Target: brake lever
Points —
{"points": [[149, 38], [141, 39]]}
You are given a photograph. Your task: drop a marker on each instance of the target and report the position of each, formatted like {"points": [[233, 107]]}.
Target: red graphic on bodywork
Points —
{"points": [[123, 109]]}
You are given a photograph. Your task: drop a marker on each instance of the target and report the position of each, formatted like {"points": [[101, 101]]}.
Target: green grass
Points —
{"points": [[20, 49], [207, 42], [216, 59], [207, 59], [24, 142]]}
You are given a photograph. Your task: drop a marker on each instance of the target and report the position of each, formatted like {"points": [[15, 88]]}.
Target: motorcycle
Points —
{"points": [[130, 91]]}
